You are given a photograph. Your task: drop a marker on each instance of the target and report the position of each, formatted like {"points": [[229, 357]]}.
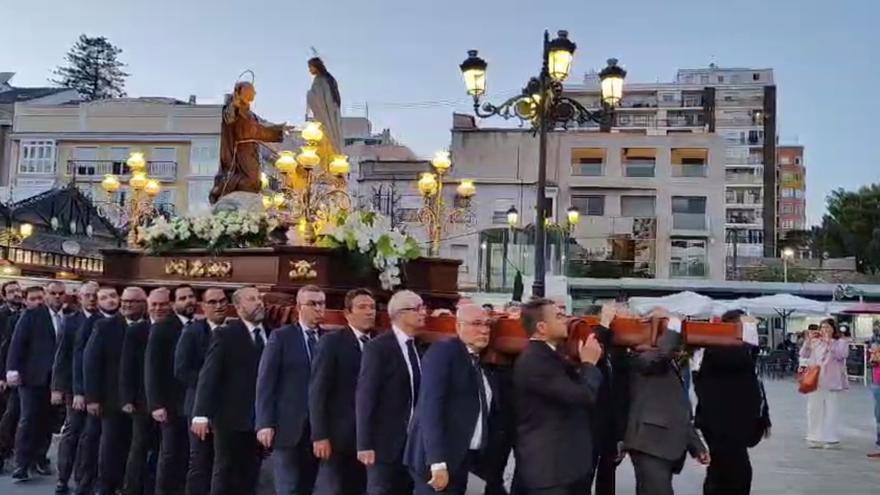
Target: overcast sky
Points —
{"points": [[401, 57]]}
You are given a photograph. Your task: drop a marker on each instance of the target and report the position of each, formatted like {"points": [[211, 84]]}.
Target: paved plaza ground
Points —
{"points": [[782, 464]]}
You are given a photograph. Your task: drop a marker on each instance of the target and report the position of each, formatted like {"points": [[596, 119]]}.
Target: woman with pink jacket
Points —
{"points": [[828, 350]]}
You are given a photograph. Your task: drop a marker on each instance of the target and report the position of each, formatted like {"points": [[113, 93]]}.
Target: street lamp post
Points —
{"points": [[544, 106], [787, 254]]}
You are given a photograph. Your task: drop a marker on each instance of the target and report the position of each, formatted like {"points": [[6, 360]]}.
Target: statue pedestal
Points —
{"points": [[279, 269]]}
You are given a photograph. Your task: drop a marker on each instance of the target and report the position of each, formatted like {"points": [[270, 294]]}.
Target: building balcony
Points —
{"points": [[88, 170], [743, 179], [691, 222], [739, 101], [743, 220]]}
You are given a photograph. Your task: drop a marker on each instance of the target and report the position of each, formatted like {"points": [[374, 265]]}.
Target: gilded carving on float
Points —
{"points": [[198, 268], [302, 270]]}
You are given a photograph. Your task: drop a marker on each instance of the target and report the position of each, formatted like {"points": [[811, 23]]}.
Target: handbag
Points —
{"points": [[808, 379]]}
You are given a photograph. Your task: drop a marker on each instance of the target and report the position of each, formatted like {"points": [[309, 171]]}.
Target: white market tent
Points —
{"points": [[783, 305], [685, 303]]}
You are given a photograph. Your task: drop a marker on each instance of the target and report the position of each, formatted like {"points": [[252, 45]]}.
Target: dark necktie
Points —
{"points": [[259, 341], [311, 342], [415, 368], [484, 403], [363, 339]]}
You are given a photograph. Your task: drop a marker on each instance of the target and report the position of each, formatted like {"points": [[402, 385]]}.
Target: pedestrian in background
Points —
{"points": [[827, 349]]}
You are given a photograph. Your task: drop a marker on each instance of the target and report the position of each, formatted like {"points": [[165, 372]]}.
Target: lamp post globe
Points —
{"points": [[560, 56], [611, 83], [473, 69]]}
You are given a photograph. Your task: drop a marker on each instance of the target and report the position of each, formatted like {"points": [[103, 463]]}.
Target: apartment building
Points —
{"points": [[739, 105], [791, 189], [52, 145]]}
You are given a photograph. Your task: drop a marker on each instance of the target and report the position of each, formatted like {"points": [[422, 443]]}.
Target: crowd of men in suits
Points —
{"points": [[161, 398]]}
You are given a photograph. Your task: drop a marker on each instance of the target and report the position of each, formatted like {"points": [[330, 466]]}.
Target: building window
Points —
{"points": [[756, 76], [460, 252], [37, 157], [589, 162], [639, 162], [786, 208], [409, 208], [689, 162], [797, 160], [688, 258], [592, 205], [205, 157], [637, 206], [787, 192], [197, 196], [118, 159], [689, 212], [721, 79]]}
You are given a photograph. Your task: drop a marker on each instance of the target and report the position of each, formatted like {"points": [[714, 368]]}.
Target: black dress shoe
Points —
{"points": [[21, 474], [61, 488], [43, 468]]}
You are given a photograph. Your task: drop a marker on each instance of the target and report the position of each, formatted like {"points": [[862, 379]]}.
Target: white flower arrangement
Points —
{"points": [[218, 231], [369, 233]]}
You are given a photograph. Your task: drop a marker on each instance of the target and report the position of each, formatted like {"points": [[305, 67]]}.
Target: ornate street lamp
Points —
{"points": [[144, 190], [574, 216], [435, 214], [543, 104], [512, 216]]}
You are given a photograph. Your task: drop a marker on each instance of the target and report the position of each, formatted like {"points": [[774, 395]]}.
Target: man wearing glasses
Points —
{"points": [[283, 395], [188, 359], [387, 390]]}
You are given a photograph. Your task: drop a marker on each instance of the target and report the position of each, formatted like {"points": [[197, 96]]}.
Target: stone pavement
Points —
{"points": [[783, 465]]}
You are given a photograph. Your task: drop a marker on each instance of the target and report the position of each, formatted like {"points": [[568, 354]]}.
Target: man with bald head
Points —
{"points": [[62, 383], [133, 393], [226, 394], [450, 426], [101, 361], [387, 391]]}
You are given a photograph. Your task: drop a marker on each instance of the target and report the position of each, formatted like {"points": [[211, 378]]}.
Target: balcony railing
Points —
{"points": [[55, 261], [743, 179], [689, 170], [690, 221], [97, 169], [743, 219], [739, 101]]}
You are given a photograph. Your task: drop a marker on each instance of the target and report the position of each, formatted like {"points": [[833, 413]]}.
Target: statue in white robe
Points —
{"points": [[324, 105]]}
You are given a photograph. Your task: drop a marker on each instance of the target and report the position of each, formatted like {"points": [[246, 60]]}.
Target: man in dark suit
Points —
{"points": [[188, 359], [553, 405], [86, 469], [102, 358], [450, 426], [144, 439], [332, 398], [226, 394], [659, 430], [29, 367], [283, 396], [62, 384], [9, 313], [166, 394], [388, 383]]}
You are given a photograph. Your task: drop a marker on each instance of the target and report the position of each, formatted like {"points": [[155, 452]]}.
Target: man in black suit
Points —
{"points": [[29, 367], [9, 313], [62, 384], [332, 398], [659, 430], [86, 469], [226, 394], [144, 438], [102, 358], [166, 394], [283, 396], [188, 359], [450, 426], [388, 383], [553, 405]]}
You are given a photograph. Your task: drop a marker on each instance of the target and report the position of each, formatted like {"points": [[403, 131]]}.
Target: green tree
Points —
{"points": [[93, 69], [851, 227], [777, 274]]}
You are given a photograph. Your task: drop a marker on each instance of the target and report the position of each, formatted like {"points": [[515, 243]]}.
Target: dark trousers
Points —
{"points": [[458, 478], [173, 456], [237, 458], [139, 477], [294, 469], [579, 487], [341, 474], [730, 472], [201, 465], [385, 478], [74, 422], [653, 474], [33, 425], [9, 423], [115, 442], [86, 468], [604, 469]]}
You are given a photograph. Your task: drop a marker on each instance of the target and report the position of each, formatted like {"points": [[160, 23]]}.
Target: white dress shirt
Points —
{"points": [[183, 319], [477, 439], [402, 339]]}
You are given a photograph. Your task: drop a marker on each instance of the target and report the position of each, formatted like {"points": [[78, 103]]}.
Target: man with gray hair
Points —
{"points": [[387, 390]]}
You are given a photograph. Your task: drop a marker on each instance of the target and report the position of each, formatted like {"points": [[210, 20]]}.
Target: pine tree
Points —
{"points": [[93, 69]]}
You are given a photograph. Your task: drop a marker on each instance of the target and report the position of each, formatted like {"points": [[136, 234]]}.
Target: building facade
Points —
{"points": [[738, 104], [791, 189], [79, 143]]}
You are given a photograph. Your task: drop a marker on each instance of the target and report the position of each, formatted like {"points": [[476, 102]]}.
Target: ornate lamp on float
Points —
{"points": [[312, 187], [435, 214], [139, 205]]}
